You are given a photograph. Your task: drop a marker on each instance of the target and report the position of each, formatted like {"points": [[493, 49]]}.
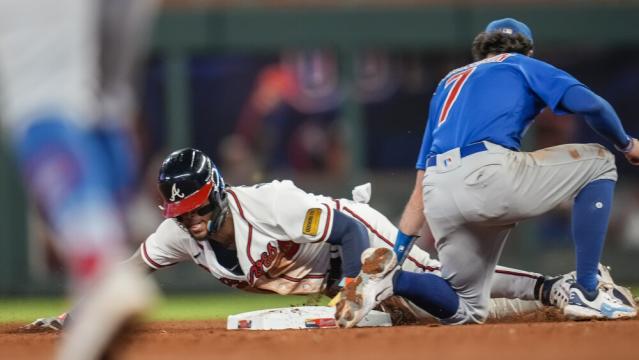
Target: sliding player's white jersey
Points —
{"points": [[280, 240]]}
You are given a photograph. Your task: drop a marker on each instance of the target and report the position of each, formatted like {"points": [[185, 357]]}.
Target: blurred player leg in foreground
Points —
{"points": [[51, 91]]}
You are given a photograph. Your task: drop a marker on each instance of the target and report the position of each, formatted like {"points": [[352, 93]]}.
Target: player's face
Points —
{"points": [[196, 221]]}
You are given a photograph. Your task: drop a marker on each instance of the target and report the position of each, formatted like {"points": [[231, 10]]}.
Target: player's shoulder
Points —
{"points": [[170, 232], [526, 62], [505, 58], [510, 59], [263, 188], [261, 195], [169, 226]]}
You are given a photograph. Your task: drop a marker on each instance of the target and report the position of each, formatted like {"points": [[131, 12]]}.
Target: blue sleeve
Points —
{"points": [[427, 139], [597, 112], [352, 237], [548, 82]]}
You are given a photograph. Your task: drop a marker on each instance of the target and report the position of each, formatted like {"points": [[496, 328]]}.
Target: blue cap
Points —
{"points": [[510, 26]]}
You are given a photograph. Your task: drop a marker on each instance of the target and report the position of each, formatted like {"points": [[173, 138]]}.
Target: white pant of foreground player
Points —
{"points": [[52, 70], [472, 203], [123, 293]]}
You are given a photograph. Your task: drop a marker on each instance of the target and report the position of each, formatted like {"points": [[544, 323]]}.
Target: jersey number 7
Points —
{"points": [[457, 80]]}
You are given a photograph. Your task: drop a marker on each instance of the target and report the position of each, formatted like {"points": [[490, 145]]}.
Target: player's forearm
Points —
{"points": [[412, 218], [598, 113], [352, 237], [607, 124]]}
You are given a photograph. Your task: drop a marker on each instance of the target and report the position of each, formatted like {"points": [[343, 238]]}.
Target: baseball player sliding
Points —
{"points": [[274, 237], [473, 184]]}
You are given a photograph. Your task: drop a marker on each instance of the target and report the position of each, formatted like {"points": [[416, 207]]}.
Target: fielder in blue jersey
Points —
{"points": [[473, 184]]}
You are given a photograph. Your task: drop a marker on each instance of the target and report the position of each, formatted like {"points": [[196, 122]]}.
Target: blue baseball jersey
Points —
{"points": [[494, 99]]}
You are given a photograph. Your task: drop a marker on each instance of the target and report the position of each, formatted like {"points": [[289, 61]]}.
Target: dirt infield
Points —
{"points": [[538, 339]]}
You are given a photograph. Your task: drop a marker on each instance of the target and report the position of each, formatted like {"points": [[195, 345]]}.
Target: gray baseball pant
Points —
{"points": [[472, 203]]}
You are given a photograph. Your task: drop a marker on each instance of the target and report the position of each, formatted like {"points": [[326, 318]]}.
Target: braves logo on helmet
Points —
{"points": [[176, 192]]}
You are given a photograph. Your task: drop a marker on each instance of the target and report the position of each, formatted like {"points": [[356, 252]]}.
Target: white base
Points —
{"points": [[301, 317]]}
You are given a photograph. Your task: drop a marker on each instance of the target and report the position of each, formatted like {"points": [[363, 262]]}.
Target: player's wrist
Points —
{"points": [[403, 243], [628, 148], [402, 235], [402, 239]]}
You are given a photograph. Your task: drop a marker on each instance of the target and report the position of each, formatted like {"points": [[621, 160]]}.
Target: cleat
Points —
{"points": [[583, 305], [607, 284], [555, 291], [373, 285]]}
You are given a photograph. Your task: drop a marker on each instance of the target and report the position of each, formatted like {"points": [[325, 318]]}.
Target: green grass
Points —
{"points": [[29, 309], [175, 307]]}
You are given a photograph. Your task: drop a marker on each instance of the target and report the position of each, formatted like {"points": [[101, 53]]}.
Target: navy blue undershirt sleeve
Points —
{"points": [[352, 237], [597, 112]]}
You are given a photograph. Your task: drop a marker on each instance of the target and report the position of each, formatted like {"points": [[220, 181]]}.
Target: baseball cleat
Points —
{"points": [[608, 285], [373, 285], [583, 305], [55, 323], [555, 291]]}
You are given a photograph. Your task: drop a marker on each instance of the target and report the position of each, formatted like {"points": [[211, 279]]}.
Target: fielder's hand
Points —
{"points": [[633, 154], [47, 324]]}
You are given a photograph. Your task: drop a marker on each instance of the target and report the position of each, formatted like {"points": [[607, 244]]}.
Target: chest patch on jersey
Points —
{"points": [[311, 221]]}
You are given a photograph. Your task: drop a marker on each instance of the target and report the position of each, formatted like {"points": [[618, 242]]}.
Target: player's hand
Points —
{"points": [[47, 324], [633, 154]]}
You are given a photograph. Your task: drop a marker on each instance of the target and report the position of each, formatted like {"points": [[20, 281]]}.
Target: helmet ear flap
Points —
{"points": [[219, 198], [219, 185], [221, 204]]}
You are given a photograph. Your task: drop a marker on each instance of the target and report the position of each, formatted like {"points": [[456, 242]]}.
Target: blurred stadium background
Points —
{"points": [[332, 94]]}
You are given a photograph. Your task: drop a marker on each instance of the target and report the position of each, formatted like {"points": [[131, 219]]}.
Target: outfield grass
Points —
{"points": [[29, 309], [175, 307]]}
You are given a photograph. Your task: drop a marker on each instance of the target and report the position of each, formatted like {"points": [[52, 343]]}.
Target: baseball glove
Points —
{"points": [[56, 323]]}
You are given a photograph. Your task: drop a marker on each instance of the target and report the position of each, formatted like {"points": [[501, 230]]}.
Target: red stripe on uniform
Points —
{"points": [[239, 206], [309, 276], [148, 258], [314, 276], [515, 273], [374, 231], [328, 218], [248, 244], [250, 227], [204, 267]]}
